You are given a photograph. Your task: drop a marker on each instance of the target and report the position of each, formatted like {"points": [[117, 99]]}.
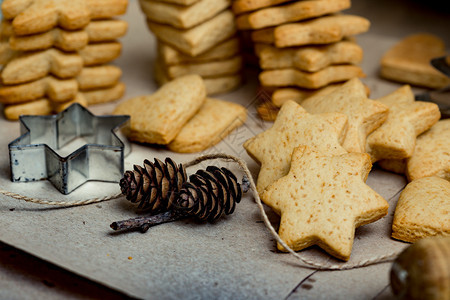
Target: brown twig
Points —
{"points": [[144, 223]]}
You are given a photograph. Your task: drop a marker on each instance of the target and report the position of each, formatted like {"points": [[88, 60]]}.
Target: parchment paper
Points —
{"points": [[234, 258]]}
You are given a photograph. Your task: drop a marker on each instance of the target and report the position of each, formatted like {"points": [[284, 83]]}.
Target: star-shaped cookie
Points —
{"points": [[396, 137], [293, 127], [364, 115], [323, 199], [431, 156], [36, 16]]}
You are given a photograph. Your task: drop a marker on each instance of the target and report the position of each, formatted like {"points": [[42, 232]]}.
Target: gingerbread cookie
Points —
{"points": [[364, 115], [159, 117], [431, 155], [309, 58], [423, 210], [183, 17], [198, 39], [291, 12], [240, 6], [171, 56], [308, 80], [207, 69], [97, 31], [322, 30], [408, 61], [293, 127], [396, 137], [323, 199], [213, 122], [67, 14]]}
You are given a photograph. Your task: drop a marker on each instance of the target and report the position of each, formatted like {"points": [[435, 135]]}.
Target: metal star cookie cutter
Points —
{"points": [[33, 156]]}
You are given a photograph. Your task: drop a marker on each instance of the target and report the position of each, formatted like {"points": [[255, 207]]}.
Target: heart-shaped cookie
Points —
{"points": [[409, 61], [423, 210]]}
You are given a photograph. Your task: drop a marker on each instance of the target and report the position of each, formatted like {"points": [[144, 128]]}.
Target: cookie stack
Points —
{"points": [[195, 37], [303, 46], [56, 54]]}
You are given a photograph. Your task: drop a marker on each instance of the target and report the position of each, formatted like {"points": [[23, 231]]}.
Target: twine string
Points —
{"points": [[307, 262], [243, 165], [59, 203]]}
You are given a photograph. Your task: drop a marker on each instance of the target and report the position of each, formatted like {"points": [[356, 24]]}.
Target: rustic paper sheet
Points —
{"points": [[234, 258]]}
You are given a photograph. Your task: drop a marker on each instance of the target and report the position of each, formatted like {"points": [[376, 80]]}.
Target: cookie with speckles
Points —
{"points": [[60, 90], [323, 199], [309, 80], [364, 115], [213, 122], [159, 117], [431, 155], [408, 61], [171, 56], [182, 17], [407, 118], [423, 210], [294, 126], [309, 58], [36, 16], [198, 39], [290, 12], [323, 30], [67, 40]]}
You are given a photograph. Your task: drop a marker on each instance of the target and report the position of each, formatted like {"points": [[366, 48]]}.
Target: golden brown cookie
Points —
{"points": [[408, 61], [35, 107], [364, 115], [423, 210], [281, 95], [28, 67], [68, 14], [240, 6], [214, 85], [309, 58], [293, 127], [61, 90], [159, 117], [97, 31], [104, 95], [212, 123], [407, 118], [171, 56], [216, 68], [291, 12], [60, 106], [101, 53], [323, 30], [183, 17], [323, 199], [309, 80], [431, 155], [198, 39]]}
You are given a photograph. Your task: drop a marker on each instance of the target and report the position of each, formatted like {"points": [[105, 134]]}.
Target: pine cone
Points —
{"points": [[209, 194], [163, 188], [155, 185]]}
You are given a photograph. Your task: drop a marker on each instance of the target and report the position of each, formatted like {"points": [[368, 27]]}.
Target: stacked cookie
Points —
{"points": [[55, 54], [195, 37], [303, 46]]}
